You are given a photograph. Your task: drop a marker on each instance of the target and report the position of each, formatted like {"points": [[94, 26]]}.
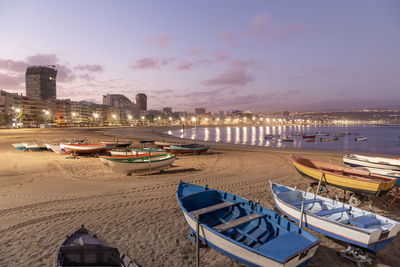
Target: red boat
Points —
{"points": [[308, 136]]}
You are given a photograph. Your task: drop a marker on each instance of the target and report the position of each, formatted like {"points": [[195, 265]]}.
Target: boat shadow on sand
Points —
{"points": [[172, 171]]}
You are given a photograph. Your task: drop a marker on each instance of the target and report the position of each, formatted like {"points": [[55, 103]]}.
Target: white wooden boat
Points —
{"points": [[82, 148], [35, 146], [244, 230], [83, 248], [138, 152], [361, 139], [356, 160], [341, 221], [54, 148], [131, 164]]}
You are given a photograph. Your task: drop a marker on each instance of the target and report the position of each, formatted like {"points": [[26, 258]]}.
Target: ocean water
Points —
{"points": [[381, 139]]}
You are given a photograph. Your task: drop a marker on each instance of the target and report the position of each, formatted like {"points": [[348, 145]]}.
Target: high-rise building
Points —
{"points": [[41, 82], [200, 111], [167, 110], [141, 101]]}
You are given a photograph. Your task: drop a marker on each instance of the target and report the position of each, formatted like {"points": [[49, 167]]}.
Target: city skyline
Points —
{"points": [[259, 57]]}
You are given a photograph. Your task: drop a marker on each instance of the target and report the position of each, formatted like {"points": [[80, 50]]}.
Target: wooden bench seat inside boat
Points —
{"points": [[225, 226], [307, 201], [331, 211], [364, 221], [285, 246], [218, 206]]}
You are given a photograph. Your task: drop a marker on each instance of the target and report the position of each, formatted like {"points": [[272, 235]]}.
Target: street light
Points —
{"points": [[194, 121], [73, 118], [95, 115]]}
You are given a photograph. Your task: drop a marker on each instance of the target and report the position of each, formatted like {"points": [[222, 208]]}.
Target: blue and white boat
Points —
{"points": [[244, 230], [19, 146], [358, 227], [388, 173]]}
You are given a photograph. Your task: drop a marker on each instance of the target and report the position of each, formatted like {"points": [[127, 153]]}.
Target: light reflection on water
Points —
{"points": [[380, 139]]}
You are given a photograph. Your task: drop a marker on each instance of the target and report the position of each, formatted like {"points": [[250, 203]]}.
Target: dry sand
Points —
{"points": [[44, 196]]}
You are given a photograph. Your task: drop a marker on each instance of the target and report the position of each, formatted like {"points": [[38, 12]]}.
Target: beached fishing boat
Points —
{"points": [[54, 148], [339, 135], [310, 140], [83, 248], [115, 144], [138, 152], [361, 182], [324, 139], [161, 145], [360, 139], [356, 160], [35, 146], [268, 136], [389, 173], [19, 146], [188, 149], [287, 139], [82, 148], [130, 164], [354, 226], [308, 136], [244, 230], [321, 134]]}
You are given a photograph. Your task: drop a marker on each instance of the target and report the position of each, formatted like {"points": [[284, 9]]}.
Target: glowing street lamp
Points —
{"points": [[73, 117]]}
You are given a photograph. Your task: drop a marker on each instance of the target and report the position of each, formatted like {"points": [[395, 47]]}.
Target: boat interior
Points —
{"points": [[84, 250]]}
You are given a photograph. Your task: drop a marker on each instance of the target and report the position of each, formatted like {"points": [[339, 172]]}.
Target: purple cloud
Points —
{"points": [[90, 68], [236, 75], [196, 51], [161, 41], [263, 28], [220, 55], [11, 65], [150, 63], [226, 36], [184, 65], [12, 81]]}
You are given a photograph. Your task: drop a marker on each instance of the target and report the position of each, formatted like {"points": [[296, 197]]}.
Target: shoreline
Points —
{"points": [[44, 196]]}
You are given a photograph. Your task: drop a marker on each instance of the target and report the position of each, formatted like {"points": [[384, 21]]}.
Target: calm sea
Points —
{"points": [[381, 139]]}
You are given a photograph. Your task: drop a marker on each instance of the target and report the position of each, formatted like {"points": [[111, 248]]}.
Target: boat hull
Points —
{"points": [[354, 162], [188, 150], [162, 163], [82, 148]]}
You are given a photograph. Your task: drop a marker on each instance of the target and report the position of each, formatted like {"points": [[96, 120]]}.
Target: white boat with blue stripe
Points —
{"points": [[367, 230], [355, 160], [244, 230]]}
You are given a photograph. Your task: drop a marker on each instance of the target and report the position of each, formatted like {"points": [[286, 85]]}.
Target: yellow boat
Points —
{"points": [[361, 182]]}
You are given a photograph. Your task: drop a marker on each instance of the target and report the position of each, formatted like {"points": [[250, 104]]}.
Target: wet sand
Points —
{"points": [[44, 196]]}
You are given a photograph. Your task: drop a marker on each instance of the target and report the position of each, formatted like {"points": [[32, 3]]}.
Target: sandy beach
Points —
{"points": [[44, 196]]}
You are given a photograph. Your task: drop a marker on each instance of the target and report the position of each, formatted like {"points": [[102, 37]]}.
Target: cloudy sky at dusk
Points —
{"points": [[253, 55]]}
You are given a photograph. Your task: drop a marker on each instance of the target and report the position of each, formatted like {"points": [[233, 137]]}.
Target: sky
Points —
{"points": [[227, 54]]}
